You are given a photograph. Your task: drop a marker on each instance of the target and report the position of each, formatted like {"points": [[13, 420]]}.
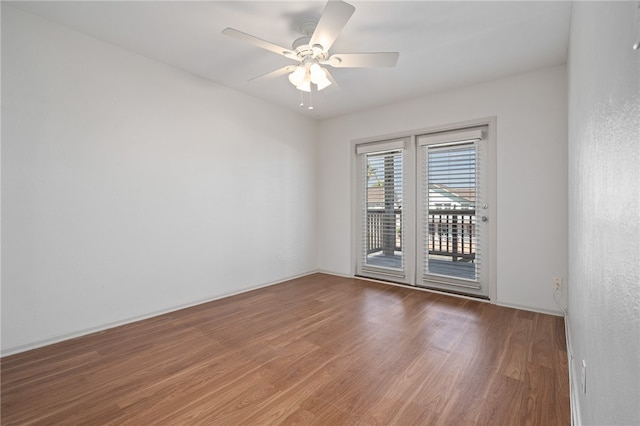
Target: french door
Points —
{"points": [[424, 210], [384, 222], [453, 211]]}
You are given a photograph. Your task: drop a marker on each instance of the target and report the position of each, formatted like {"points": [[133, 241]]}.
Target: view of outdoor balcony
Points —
{"points": [[451, 244], [449, 225]]}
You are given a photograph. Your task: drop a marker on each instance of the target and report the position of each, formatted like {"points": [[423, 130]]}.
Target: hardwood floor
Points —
{"points": [[318, 350]]}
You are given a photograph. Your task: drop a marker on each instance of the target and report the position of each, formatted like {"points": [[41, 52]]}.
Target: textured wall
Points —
{"points": [[604, 212]]}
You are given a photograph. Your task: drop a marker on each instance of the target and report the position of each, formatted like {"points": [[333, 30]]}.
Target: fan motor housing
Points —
{"points": [[303, 49], [301, 43]]}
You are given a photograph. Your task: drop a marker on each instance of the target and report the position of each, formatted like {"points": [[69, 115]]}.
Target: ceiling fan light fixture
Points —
{"points": [[318, 76], [324, 83], [304, 87], [297, 77], [317, 73]]}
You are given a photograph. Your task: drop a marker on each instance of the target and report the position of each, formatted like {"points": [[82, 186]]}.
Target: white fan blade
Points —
{"points": [[333, 19], [363, 60], [259, 42], [273, 74]]}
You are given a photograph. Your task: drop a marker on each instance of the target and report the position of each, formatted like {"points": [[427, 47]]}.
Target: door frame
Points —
{"points": [[408, 211], [411, 167]]}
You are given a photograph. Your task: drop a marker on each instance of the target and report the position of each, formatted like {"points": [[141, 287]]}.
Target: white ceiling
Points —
{"points": [[441, 44]]}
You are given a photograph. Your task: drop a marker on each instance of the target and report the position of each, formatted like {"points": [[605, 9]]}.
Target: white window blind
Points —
{"points": [[450, 182], [451, 138], [380, 147], [382, 227]]}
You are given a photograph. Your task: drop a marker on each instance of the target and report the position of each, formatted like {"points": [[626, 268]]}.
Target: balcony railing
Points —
{"points": [[451, 233], [384, 231]]}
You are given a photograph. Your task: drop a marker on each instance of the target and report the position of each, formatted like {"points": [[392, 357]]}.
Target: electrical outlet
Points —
{"points": [[280, 255], [557, 283]]}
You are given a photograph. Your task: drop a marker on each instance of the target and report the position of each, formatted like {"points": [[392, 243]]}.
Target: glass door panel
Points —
{"points": [[453, 212]]}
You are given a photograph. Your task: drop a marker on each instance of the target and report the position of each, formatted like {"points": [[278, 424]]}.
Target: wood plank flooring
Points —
{"points": [[319, 350]]}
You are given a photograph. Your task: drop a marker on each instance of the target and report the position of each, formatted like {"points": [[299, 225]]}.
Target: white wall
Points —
{"points": [[130, 187], [604, 207], [531, 112]]}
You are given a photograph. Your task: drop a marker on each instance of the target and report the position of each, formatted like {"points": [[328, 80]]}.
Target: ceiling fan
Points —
{"points": [[311, 51]]}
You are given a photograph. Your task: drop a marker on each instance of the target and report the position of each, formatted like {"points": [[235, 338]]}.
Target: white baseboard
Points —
{"points": [[531, 309], [90, 330], [337, 274], [573, 386], [499, 303]]}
